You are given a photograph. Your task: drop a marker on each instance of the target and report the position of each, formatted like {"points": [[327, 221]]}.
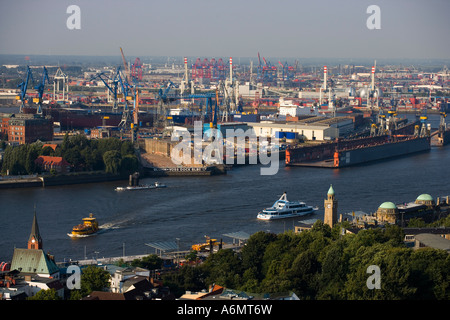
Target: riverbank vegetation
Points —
{"points": [[111, 155], [323, 264]]}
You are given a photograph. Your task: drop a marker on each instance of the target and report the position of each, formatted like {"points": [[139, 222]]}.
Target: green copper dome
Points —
{"points": [[331, 190], [388, 205], [425, 197]]}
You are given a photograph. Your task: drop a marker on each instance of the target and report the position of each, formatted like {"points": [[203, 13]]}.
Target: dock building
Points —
{"points": [[309, 128], [26, 128], [423, 207]]}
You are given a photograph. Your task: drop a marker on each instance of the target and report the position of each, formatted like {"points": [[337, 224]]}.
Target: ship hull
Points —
{"points": [[82, 118], [329, 155], [382, 152]]}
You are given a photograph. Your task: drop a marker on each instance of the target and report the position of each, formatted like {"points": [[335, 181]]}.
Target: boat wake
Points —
{"points": [[81, 235], [108, 226]]}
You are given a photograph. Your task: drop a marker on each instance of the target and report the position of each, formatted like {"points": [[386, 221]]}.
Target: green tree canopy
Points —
{"points": [[45, 294], [94, 278]]}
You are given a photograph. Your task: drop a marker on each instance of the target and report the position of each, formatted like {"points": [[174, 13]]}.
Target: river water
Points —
{"points": [[192, 207]]}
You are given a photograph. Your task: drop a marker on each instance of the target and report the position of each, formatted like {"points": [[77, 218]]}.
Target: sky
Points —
{"points": [[238, 28]]}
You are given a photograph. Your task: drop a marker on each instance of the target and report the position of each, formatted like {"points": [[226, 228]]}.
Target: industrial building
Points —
{"points": [[311, 128], [26, 128]]}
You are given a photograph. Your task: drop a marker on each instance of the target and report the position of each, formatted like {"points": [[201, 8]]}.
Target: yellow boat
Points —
{"points": [[88, 227], [206, 246]]}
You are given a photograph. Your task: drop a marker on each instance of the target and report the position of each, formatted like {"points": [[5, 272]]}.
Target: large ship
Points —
{"points": [[80, 116], [348, 152], [88, 227]]}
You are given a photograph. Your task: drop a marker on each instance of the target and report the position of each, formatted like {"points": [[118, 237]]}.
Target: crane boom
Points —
{"points": [[134, 91], [23, 88], [40, 88]]}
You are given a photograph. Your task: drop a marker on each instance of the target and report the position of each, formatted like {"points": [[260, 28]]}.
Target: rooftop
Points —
{"points": [[388, 205], [434, 241], [425, 197]]}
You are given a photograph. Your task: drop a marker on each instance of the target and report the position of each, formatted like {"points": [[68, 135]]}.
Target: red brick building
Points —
{"points": [[4, 124], [25, 129]]}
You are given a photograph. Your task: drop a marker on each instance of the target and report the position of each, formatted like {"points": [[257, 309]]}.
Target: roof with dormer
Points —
{"points": [[33, 261]]}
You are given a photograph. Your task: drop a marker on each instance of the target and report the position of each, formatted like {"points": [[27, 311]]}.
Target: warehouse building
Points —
{"points": [[312, 128], [29, 128]]}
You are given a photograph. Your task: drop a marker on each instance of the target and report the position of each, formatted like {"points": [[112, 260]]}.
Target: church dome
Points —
{"points": [[424, 197], [388, 205]]}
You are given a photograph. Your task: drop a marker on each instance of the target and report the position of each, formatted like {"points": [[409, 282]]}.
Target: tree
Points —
{"points": [[126, 149], [32, 154], [45, 294], [150, 262], [47, 151], [94, 279], [430, 272], [73, 156], [223, 268], [416, 223], [186, 278], [395, 235], [305, 271], [112, 160], [252, 253], [334, 270], [129, 164]]}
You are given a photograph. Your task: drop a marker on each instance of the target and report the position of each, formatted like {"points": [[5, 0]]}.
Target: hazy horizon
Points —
{"points": [[199, 28]]}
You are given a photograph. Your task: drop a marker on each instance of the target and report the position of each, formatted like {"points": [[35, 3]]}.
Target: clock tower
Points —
{"points": [[330, 204], [35, 240]]}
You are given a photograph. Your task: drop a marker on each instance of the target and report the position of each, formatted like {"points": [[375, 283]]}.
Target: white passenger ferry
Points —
{"points": [[282, 208]]}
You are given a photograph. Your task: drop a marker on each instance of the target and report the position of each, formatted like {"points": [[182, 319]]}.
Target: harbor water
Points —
{"points": [[191, 208]]}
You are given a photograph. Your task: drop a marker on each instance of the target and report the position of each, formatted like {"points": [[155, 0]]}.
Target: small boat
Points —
{"points": [[88, 227], [141, 187], [210, 243], [283, 208]]}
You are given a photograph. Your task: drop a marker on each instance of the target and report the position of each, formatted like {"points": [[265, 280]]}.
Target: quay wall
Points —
{"points": [[58, 180]]}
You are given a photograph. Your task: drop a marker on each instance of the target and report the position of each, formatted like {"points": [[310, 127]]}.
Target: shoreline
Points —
{"points": [[96, 177]]}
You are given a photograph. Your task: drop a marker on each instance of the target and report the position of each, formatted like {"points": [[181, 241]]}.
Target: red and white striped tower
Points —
{"points": [[185, 70], [325, 78], [231, 69], [373, 78]]}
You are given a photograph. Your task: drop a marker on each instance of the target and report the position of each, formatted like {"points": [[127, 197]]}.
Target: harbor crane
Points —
{"points": [[40, 88], [163, 98], [134, 95], [126, 88], [113, 88], [23, 88]]}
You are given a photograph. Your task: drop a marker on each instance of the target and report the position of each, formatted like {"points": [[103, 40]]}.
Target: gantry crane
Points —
{"points": [[135, 96], [113, 89], [23, 88], [40, 88], [162, 109]]}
